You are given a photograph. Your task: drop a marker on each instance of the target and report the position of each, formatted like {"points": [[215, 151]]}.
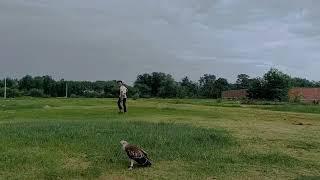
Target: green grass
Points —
{"points": [[308, 108], [190, 139]]}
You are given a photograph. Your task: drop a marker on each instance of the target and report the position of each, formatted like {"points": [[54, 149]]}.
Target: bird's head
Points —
{"points": [[124, 143]]}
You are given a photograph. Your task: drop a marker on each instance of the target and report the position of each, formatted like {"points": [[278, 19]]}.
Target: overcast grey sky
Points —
{"points": [[118, 39]]}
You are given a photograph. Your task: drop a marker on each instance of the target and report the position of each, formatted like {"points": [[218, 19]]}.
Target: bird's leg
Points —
{"points": [[131, 164]]}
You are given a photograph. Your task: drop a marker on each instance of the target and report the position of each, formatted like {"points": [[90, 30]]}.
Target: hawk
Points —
{"points": [[135, 154]]}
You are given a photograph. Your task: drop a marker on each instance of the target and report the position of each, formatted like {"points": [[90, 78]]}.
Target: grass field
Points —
{"points": [[186, 139]]}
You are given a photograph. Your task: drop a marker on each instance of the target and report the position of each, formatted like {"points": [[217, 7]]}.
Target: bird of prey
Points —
{"points": [[135, 154]]}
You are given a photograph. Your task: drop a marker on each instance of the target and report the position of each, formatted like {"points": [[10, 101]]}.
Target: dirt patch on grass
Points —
{"points": [[76, 163], [114, 177], [301, 123]]}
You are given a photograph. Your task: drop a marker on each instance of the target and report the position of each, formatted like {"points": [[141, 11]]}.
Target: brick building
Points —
{"points": [[235, 94], [305, 94]]}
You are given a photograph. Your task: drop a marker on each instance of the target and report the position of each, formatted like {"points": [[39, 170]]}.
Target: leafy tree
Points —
{"points": [[243, 81], [207, 79], [207, 86], [149, 85], [158, 79], [60, 88], [144, 89], [168, 87], [299, 82], [144, 83], [133, 92], [49, 86], [35, 93], [11, 93], [277, 85], [256, 88], [37, 82], [111, 89], [274, 86], [26, 83], [187, 88], [99, 86], [221, 85]]}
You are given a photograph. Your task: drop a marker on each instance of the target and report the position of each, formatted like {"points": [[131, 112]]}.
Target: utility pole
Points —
{"points": [[5, 87], [66, 90]]}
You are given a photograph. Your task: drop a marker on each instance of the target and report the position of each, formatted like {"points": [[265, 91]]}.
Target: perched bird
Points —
{"points": [[135, 154]]}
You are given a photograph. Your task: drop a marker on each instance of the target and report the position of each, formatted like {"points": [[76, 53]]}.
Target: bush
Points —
{"points": [[74, 96], [11, 93], [35, 93], [136, 96], [146, 96], [91, 94], [109, 95], [296, 99], [101, 95]]}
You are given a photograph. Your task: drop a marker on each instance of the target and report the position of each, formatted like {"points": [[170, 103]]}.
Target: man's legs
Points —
{"points": [[124, 104], [119, 105]]}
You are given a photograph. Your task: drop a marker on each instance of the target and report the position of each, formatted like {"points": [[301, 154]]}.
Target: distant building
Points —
{"points": [[235, 94], [305, 94]]}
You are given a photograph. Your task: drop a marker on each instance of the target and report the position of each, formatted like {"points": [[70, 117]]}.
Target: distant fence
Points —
{"points": [[305, 94], [235, 94]]}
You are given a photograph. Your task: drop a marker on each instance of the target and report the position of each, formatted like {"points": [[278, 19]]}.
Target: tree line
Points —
{"points": [[273, 85]]}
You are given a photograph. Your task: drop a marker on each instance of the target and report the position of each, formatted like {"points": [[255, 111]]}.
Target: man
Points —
{"points": [[122, 97]]}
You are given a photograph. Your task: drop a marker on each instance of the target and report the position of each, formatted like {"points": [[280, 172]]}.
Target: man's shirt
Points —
{"points": [[123, 92]]}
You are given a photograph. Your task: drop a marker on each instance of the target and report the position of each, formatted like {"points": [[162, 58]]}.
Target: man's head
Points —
{"points": [[120, 83]]}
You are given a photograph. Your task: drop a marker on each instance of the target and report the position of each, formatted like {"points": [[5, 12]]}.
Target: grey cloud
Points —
{"points": [[80, 39]]}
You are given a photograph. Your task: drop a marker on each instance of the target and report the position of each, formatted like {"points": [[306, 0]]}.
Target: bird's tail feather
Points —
{"points": [[148, 163], [144, 162]]}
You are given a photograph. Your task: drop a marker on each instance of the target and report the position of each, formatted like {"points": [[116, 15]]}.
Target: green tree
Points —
{"points": [[144, 83], [149, 85], [11, 93], [299, 82], [158, 79], [277, 85], [26, 83], [273, 86], [256, 88], [188, 88], [35, 93], [37, 82], [49, 86], [168, 87], [243, 81], [111, 89], [99, 86], [207, 86], [221, 85]]}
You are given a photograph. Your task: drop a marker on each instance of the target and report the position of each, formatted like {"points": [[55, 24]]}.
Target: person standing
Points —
{"points": [[122, 101]]}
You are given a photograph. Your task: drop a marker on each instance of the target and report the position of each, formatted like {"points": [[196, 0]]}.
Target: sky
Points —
{"points": [[119, 39]]}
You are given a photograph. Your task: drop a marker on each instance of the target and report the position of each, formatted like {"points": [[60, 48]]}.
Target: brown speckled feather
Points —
{"points": [[137, 154]]}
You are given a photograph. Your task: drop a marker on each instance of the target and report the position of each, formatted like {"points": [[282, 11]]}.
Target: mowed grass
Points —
{"points": [[190, 139]]}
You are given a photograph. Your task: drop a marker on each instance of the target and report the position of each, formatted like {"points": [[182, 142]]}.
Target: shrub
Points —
{"points": [[35, 93], [74, 96], [136, 96], [91, 94], [11, 93]]}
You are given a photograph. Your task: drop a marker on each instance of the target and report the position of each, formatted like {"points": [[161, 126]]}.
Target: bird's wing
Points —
{"points": [[144, 152], [134, 152]]}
